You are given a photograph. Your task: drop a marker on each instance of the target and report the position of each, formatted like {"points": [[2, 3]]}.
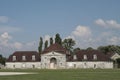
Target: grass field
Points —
{"points": [[70, 74]]}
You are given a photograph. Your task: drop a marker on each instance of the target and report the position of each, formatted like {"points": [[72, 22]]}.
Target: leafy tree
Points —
{"points": [[76, 50], [46, 44], [58, 39], [109, 48], [103, 49], [2, 60], [89, 48], [40, 45], [68, 44], [51, 41]]}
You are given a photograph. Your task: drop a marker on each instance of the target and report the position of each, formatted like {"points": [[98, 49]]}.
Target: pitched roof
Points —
{"points": [[55, 47], [90, 53], [27, 54]]}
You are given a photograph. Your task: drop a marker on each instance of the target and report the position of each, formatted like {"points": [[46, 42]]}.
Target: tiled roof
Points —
{"points": [[55, 47], [27, 54], [89, 53]]}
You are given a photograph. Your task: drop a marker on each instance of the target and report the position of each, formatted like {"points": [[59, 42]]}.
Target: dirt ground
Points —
{"points": [[13, 73]]}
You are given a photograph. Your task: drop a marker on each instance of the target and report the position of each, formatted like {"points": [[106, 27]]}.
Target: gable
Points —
{"points": [[115, 56], [56, 48], [53, 53]]}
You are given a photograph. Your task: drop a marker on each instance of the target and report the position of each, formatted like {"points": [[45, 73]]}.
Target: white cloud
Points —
{"points": [[46, 37], [70, 37], [82, 35], [114, 40], [31, 43], [4, 19], [4, 38], [17, 45], [9, 29], [8, 45], [5, 35], [82, 31], [108, 23], [100, 22]]}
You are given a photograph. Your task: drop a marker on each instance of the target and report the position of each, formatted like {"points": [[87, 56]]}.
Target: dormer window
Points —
{"points": [[74, 57], [23, 58], [33, 57], [95, 57], [85, 57], [14, 58]]}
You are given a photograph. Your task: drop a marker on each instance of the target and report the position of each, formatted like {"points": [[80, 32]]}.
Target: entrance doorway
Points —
{"points": [[117, 63], [53, 63]]}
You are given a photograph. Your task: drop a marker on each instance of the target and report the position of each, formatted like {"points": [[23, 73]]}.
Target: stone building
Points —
{"points": [[57, 57]]}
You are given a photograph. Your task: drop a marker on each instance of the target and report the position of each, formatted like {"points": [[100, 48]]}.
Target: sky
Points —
{"points": [[91, 23]]}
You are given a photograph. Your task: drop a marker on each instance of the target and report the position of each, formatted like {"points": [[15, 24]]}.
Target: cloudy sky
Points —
{"points": [[91, 23]]}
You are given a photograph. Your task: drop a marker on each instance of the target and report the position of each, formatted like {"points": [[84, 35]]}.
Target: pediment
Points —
{"points": [[115, 56], [53, 53]]}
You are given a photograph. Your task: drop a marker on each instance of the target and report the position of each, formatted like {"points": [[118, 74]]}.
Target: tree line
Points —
{"points": [[66, 43], [69, 44]]}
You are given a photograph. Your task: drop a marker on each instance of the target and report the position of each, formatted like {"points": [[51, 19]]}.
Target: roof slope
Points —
{"points": [[89, 53], [55, 47], [27, 54]]}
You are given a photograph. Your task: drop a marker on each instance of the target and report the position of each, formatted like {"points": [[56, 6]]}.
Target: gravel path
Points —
{"points": [[13, 73]]}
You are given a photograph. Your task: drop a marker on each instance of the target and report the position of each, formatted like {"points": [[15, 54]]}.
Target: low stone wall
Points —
{"points": [[23, 65], [88, 64]]}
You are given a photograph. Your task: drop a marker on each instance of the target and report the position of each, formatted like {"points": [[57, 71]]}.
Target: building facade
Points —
{"points": [[56, 57]]}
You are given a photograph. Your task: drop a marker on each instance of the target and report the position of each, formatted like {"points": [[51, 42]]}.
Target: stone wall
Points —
{"points": [[23, 65], [89, 64]]}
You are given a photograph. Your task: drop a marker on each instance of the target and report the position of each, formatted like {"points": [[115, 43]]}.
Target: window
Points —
{"points": [[61, 64], [94, 66], [14, 58], [45, 64], [13, 66], [74, 57], [33, 66], [61, 58], [23, 58], [52, 52], [85, 57], [45, 57], [33, 57], [74, 65], [95, 57]]}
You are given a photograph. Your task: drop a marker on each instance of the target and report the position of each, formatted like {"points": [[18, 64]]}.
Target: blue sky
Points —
{"points": [[89, 22]]}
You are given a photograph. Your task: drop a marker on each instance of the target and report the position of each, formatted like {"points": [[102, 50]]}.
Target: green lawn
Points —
{"points": [[70, 74]]}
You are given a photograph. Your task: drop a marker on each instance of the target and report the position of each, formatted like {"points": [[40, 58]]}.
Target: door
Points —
{"points": [[53, 63]]}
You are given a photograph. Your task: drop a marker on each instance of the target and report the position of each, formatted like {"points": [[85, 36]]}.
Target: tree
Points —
{"points": [[109, 48], [46, 44], [40, 45], [2, 60], [51, 41], [76, 50], [58, 39], [68, 44], [89, 48]]}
